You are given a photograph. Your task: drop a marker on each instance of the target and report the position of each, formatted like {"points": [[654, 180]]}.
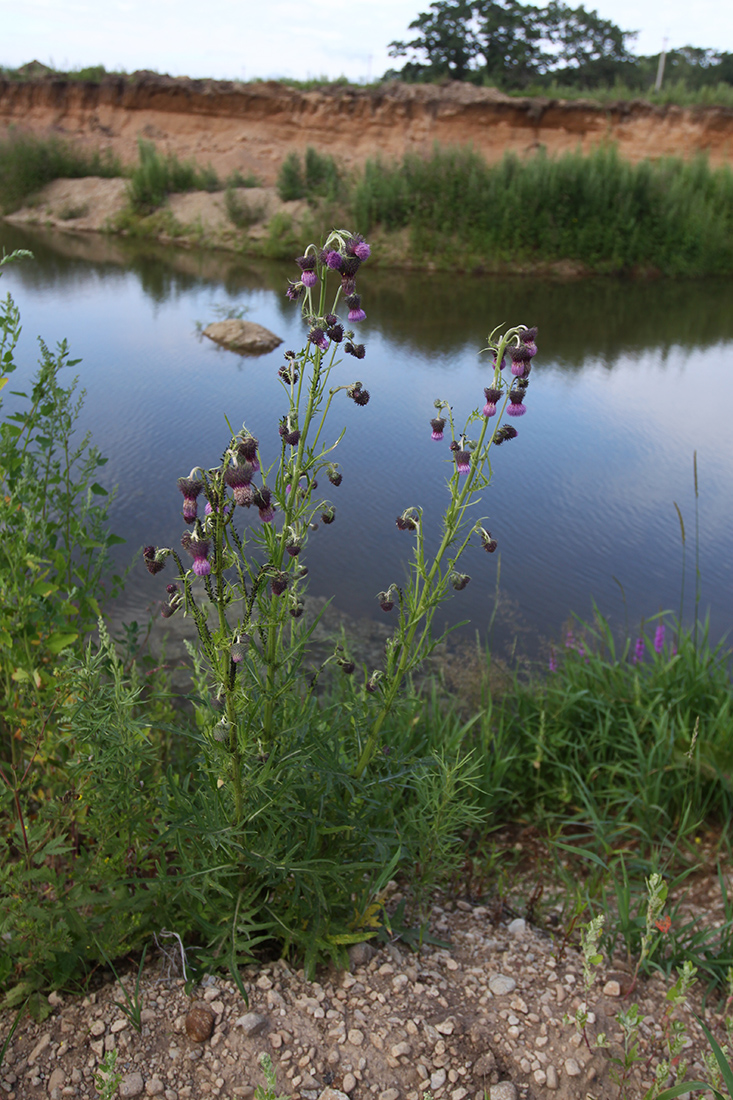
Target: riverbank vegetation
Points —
{"points": [[264, 807]]}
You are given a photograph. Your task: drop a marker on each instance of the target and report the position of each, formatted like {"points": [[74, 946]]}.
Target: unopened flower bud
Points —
{"points": [[385, 601], [328, 515], [154, 559], [459, 581], [278, 584]]}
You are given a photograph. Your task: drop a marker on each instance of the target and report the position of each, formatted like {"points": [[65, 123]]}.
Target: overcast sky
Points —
{"points": [[242, 39]]}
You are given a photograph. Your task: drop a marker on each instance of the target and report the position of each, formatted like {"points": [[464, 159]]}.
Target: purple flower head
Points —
{"points": [[659, 638], [210, 509], [335, 332], [309, 279], [516, 408], [552, 662], [349, 267], [406, 522], [318, 337], [506, 431], [501, 365], [528, 338], [190, 487], [356, 313], [347, 666], [263, 499], [520, 358], [333, 260], [638, 651], [288, 373], [358, 395], [279, 584], [295, 290], [492, 396], [437, 424], [247, 449], [463, 461], [239, 479], [357, 246], [385, 600], [306, 263], [154, 559], [199, 551], [357, 350], [570, 640]]}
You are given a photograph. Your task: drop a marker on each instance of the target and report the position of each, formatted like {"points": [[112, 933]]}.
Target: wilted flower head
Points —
{"points": [[487, 542], [295, 290], [357, 350], [406, 522], [247, 449], [154, 559], [358, 395], [385, 600], [335, 332], [459, 581], [333, 474], [506, 431], [279, 583], [328, 515]]}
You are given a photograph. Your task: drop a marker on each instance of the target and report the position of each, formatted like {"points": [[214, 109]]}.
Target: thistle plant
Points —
{"points": [[244, 584]]}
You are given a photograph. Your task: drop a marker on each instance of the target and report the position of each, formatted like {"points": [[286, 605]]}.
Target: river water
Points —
{"points": [[630, 380]]}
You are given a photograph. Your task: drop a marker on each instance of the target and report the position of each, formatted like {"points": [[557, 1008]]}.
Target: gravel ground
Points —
{"points": [[482, 1016]]}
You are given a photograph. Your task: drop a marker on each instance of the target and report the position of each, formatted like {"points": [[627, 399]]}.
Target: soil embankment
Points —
{"points": [[252, 127]]}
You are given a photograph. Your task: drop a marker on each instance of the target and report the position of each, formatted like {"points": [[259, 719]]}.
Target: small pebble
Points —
{"points": [[572, 1068], [612, 989], [199, 1022], [131, 1085]]}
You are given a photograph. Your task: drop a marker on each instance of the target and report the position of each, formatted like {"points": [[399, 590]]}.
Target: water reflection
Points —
{"points": [[620, 398]]}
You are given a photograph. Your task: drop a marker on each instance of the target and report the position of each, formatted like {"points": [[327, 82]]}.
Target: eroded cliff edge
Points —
{"points": [[252, 127]]}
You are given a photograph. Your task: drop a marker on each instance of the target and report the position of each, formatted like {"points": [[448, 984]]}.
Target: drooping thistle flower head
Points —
{"points": [[239, 479], [437, 424], [357, 394], [191, 487], [356, 313], [247, 450], [262, 499], [528, 338], [279, 583], [521, 360], [154, 559], [459, 580], [307, 265], [492, 396], [357, 350], [198, 548], [516, 406]]}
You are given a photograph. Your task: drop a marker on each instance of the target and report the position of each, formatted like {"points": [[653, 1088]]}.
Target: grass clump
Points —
{"points": [[28, 163], [598, 210], [157, 176], [315, 177]]}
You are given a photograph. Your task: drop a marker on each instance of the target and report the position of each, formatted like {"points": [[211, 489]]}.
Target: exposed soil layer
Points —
{"points": [[252, 127]]}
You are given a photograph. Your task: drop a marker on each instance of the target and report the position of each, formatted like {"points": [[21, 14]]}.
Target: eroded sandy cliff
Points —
{"points": [[251, 127]]}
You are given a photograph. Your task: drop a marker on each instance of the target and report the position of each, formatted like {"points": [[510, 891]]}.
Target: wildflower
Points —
{"points": [[664, 924], [199, 551], [307, 265], [492, 396], [190, 487], [318, 337], [239, 479], [333, 475], [349, 267], [333, 259], [459, 581], [247, 449], [638, 651], [437, 424], [154, 559], [528, 338], [385, 600], [357, 246], [296, 608], [406, 522], [289, 374], [347, 666], [358, 395], [293, 546], [487, 542], [505, 432], [659, 638], [328, 515], [263, 499], [357, 350], [279, 583], [501, 365], [463, 461], [335, 332], [552, 662], [356, 313], [238, 651], [372, 683], [520, 358], [516, 408], [295, 290]]}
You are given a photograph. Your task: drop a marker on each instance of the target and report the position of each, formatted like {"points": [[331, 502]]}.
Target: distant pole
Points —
{"points": [[660, 67]]}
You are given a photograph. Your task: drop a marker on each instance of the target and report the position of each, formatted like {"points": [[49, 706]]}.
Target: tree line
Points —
{"points": [[514, 46]]}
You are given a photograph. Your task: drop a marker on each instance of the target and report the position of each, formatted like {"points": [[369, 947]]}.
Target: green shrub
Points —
{"points": [[317, 178], [156, 177], [28, 163]]}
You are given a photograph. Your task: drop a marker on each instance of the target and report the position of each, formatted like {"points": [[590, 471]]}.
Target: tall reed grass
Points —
{"points": [[157, 176], [598, 210]]}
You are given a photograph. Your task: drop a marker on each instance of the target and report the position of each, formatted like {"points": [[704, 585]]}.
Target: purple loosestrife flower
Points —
{"points": [[437, 424], [659, 638], [638, 651], [515, 407], [552, 662], [190, 487], [356, 313], [492, 396]]}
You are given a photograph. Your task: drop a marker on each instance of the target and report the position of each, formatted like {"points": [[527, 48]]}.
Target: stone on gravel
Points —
{"points": [[245, 337], [360, 954], [154, 1086], [572, 1068], [199, 1022], [57, 1080], [505, 1090], [612, 989], [552, 1081], [517, 927], [349, 1082], [131, 1084], [39, 1048], [333, 1094], [501, 984], [252, 1023]]}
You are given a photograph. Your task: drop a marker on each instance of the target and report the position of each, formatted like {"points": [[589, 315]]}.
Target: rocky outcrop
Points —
{"points": [[251, 127], [246, 337]]}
